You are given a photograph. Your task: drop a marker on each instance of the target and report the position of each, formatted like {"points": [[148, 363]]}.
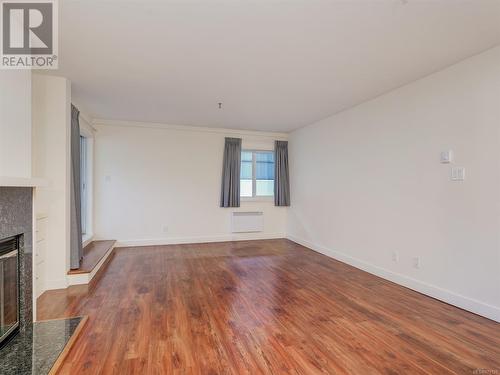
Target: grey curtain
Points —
{"points": [[231, 166], [281, 174], [76, 251]]}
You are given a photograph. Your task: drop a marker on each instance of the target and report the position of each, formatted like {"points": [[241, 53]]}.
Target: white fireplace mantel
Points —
{"points": [[22, 182]]}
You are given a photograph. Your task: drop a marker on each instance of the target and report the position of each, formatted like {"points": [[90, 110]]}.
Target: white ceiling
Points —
{"points": [[276, 65]]}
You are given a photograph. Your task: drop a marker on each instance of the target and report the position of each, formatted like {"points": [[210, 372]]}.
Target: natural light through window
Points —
{"points": [[83, 182], [257, 174]]}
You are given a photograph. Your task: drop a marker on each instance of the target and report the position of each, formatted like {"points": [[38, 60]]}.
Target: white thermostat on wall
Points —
{"points": [[446, 156]]}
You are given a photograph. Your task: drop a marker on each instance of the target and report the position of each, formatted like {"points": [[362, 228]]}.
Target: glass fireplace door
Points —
{"points": [[9, 287]]}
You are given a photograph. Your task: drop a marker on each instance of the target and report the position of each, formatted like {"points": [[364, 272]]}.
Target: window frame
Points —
{"points": [[84, 176], [87, 133], [254, 196]]}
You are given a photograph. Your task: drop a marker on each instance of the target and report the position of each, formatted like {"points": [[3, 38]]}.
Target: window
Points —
{"points": [[84, 183], [257, 174], [86, 178]]}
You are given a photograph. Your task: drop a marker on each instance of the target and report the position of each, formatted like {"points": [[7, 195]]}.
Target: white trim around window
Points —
{"points": [[87, 131]]}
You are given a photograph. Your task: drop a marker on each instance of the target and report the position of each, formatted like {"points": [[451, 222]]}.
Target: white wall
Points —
{"points": [[367, 182], [51, 103], [148, 177], [15, 123]]}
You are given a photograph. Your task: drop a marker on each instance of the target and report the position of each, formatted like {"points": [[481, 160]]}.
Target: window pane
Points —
{"points": [[246, 166], [264, 165], [264, 174], [245, 188], [83, 183], [246, 155], [265, 188], [246, 170]]}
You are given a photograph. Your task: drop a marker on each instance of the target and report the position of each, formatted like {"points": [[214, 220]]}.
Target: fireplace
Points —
{"points": [[36, 346], [9, 288]]}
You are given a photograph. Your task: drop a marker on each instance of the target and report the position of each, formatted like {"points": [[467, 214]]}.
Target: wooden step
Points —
{"points": [[92, 255]]}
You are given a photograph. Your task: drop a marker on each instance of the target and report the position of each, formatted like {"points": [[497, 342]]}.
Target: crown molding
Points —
{"points": [[85, 116], [154, 125]]}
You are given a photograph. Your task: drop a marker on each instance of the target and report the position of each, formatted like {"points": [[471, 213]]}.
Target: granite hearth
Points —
{"points": [[36, 349]]}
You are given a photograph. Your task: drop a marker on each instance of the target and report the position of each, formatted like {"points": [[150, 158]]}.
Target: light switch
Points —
{"points": [[446, 157], [457, 174]]}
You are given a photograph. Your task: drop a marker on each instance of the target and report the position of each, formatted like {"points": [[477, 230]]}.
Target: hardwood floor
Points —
{"points": [[263, 307]]}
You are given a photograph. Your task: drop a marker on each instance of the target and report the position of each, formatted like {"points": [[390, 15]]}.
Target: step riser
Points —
{"points": [[88, 277]]}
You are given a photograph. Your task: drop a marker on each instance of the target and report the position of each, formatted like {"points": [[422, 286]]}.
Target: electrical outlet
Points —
{"points": [[395, 256], [457, 174], [416, 262], [165, 229]]}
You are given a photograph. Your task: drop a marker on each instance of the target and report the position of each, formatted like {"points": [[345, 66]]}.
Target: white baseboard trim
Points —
{"points": [[55, 284], [87, 240], [466, 303], [189, 240], [78, 279]]}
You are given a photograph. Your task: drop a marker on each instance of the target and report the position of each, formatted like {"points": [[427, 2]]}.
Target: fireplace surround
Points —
{"points": [[28, 348], [16, 221], [9, 288]]}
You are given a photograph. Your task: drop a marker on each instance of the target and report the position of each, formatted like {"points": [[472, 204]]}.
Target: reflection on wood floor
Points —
{"points": [[268, 306]]}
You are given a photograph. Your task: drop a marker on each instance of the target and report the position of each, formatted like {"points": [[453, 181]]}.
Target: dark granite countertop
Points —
{"points": [[35, 350]]}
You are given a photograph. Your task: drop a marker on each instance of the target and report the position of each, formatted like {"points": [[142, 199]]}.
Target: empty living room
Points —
{"points": [[249, 187]]}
